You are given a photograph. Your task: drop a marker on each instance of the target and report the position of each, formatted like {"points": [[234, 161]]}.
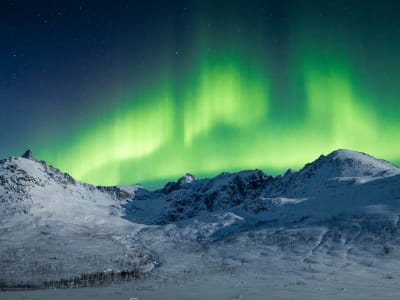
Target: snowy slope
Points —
{"points": [[340, 210], [52, 225]]}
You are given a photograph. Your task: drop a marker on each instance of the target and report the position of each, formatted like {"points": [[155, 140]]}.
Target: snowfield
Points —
{"points": [[327, 231]]}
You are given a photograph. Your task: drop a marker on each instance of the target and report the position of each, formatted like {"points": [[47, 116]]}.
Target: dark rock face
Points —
{"points": [[114, 190], [188, 178], [226, 190], [173, 186], [28, 154]]}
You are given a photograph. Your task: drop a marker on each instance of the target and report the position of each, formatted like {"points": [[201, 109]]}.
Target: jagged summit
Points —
{"points": [[172, 186], [188, 178], [289, 172], [28, 154]]}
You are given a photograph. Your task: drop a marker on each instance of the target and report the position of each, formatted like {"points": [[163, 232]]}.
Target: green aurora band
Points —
{"points": [[228, 114]]}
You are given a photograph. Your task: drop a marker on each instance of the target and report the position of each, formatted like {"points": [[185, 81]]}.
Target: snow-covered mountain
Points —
{"points": [[346, 179], [52, 225], [342, 208]]}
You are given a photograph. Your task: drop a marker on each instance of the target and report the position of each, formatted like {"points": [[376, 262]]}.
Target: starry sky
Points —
{"points": [[118, 92]]}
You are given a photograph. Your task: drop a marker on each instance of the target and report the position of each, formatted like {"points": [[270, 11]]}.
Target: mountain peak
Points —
{"points": [[349, 163], [172, 186], [188, 178], [361, 158], [28, 154]]}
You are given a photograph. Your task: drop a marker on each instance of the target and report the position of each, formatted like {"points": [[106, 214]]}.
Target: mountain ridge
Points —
{"points": [[378, 167], [50, 221]]}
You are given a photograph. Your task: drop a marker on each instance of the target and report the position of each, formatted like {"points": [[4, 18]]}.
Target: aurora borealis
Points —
{"points": [[121, 92]]}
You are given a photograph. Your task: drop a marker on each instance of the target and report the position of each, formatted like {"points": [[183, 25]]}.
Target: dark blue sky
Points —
{"points": [[67, 67]]}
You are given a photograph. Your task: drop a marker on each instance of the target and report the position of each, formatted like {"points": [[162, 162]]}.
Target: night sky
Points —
{"points": [[118, 92]]}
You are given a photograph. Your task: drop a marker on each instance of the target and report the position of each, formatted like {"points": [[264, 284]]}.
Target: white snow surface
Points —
{"points": [[337, 215], [53, 226]]}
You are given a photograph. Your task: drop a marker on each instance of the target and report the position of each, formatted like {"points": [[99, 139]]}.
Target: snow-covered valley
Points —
{"points": [[329, 230]]}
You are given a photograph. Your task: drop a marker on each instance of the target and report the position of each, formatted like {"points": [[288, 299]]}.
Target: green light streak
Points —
{"points": [[223, 119], [227, 93], [136, 129], [342, 119]]}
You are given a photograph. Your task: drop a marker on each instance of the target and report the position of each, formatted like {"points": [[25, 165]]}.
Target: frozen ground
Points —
{"points": [[289, 282]]}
